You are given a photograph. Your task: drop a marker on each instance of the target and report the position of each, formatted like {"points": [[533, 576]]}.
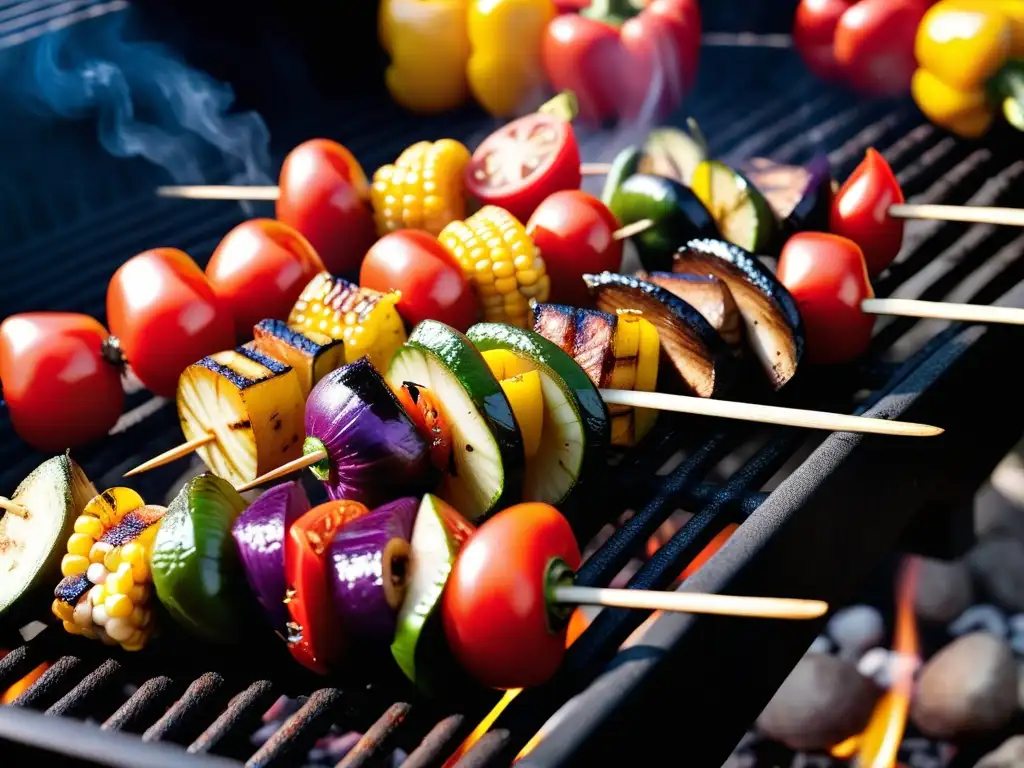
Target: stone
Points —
{"points": [[1016, 633], [999, 564], [821, 644], [999, 510], [855, 629], [1009, 755], [1020, 686], [823, 701], [977, 618], [881, 665], [944, 590], [969, 687]]}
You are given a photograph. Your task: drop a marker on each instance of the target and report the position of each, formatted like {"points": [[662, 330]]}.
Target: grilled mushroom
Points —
{"points": [[709, 296]]}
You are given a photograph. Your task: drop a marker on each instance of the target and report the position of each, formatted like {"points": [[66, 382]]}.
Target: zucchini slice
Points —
{"points": [[741, 212], [486, 468]]}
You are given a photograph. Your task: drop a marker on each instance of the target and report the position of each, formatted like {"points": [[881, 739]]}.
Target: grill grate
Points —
{"points": [[802, 540]]}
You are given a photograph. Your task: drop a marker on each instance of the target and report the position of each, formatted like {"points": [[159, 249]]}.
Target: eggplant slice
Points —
{"points": [[774, 328], [800, 195], [702, 358], [709, 296]]}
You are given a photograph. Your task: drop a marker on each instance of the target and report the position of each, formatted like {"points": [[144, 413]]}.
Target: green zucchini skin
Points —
{"points": [[625, 164]]}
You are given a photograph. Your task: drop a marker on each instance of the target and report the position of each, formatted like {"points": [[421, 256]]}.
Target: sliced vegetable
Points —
{"points": [[676, 212], [703, 359], [486, 468], [800, 196], [315, 636], [627, 163], [311, 354], [260, 534], [419, 646], [195, 566], [374, 451], [675, 154], [575, 423], [742, 214], [774, 328], [522, 386], [32, 547], [369, 569], [708, 295], [425, 411]]}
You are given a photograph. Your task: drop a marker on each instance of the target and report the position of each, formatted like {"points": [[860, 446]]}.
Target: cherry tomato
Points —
{"points": [[324, 194], [315, 640], [874, 45], [860, 212], [61, 391], [425, 412], [574, 233], [166, 315], [432, 283], [814, 34], [259, 269], [828, 279], [495, 610], [521, 163]]}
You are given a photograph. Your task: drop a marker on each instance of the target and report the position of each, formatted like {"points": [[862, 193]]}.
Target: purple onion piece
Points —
{"points": [[374, 451], [259, 533], [368, 569]]}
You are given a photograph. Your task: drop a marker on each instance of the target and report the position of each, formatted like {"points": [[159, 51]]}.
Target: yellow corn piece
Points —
{"points": [[501, 262], [423, 189]]}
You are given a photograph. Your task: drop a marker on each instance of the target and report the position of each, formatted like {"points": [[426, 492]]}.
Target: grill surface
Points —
{"points": [[818, 514]]}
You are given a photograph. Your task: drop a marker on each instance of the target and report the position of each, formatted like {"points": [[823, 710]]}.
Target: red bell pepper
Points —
{"points": [[625, 64]]}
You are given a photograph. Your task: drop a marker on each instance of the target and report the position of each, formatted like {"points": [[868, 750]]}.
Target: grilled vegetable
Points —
{"points": [[485, 471], [701, 357], [677, 213], [709, 296], [522, 386], [574, 429], [501, 262], [800, 196], [425, 411], [251, 402], [110, 599], [423, 189], [366, 320], [675, 154], [742, 214], [368, 564], [259, 533], [628, 162], [618, 351], [32, 547], [374, 450], [195, 565], [419, 645], [311, 354], [774, 328]]}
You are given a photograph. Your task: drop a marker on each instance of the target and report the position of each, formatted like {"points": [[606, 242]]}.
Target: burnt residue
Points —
{"points": [[274, 366], [71, 588], [242, 716], [243, 424], [63, 673], [438, 744], [81, 698]]}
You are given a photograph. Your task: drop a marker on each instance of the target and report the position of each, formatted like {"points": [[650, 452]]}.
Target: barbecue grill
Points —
{"points": [[818, 512]]}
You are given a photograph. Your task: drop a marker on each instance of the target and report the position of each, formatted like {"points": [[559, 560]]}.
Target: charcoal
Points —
{"points": [[998, 512], [855, 629], [1009, 755], [944, 590], [999, 565], [980, 617]]}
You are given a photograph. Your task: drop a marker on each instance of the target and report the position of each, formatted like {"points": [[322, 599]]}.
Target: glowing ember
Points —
{"points": [[666, 532], [22, 685], [844, 750]]}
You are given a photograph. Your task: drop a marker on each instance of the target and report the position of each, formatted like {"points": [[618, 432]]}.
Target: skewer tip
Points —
{"points": [[288, 468], [13, 508]]}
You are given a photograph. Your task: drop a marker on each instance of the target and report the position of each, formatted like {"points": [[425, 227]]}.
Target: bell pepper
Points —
{"points": [[505, 71], [971, 62], [428, 43], [623, 63]]}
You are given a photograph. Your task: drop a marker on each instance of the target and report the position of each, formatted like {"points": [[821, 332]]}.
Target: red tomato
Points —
{"points": [[814, 32], [574, 233], [431, 281], [495, 609], [860, 212], [324, 194], [828, 279], [164, 312], [259, 269], [425, 411], [874, 45], [316, 641], [60, 390], [523, 162]]}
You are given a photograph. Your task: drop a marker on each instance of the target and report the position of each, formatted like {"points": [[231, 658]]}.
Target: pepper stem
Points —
{"points": [[322, 469], [559, 574], [110, 350], [612, 12], [564, 105]]}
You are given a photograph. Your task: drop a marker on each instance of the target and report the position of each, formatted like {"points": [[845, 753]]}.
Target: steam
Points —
{"points": [[146, 101]]}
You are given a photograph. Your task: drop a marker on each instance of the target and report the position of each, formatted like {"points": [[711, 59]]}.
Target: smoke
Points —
{"points": [[146, 101]]}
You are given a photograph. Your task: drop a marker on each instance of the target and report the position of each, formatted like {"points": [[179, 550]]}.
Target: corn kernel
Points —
{"points": [[120, 583], [89, 525], [99, 551], [79, 544], [119, 606], [105, 638], [140, 571], [82, 615], [74, 565], [119, 629], [138, 617], [97, 595], [99, 615], [97, 573], [131, 552], [71, 628], [112, 560], [139, 593]]}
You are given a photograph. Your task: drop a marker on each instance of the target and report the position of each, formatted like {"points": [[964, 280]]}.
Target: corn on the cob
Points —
{"points": [[366, 320], [422, 189], [616, 351], [310, 353], [107, 587], [501, 262], [252, 404]]}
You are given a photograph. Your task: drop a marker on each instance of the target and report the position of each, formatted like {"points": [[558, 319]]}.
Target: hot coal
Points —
{"points": [[998, 562], [944, 590], [855, 629]]}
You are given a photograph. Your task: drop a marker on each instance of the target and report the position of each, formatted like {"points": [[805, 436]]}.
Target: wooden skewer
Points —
{"points": [[595, 169], [223, 192], [691, 602], [173, 454], [285, 469], [972, 214], [13, 508], [942, 310]]}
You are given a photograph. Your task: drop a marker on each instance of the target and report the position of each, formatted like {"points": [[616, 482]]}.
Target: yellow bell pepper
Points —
{"points": [[970, 55], [505, 70], [428, 44]]}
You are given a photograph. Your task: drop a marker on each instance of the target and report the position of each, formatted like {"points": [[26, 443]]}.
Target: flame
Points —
{"points": [[878, 746], [482, 727], [705, 554], [844, 750], [22, 685]]}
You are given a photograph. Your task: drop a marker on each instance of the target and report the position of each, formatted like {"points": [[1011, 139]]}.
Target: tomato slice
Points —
{"points": [[425, 412], [315, 633], [521, 163]]}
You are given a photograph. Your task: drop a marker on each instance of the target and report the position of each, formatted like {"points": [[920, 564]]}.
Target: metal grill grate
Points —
{"points": [[837, 506]]}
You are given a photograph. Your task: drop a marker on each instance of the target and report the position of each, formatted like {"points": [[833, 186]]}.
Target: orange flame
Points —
{"points": [[878, 746], [22, 685]]}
